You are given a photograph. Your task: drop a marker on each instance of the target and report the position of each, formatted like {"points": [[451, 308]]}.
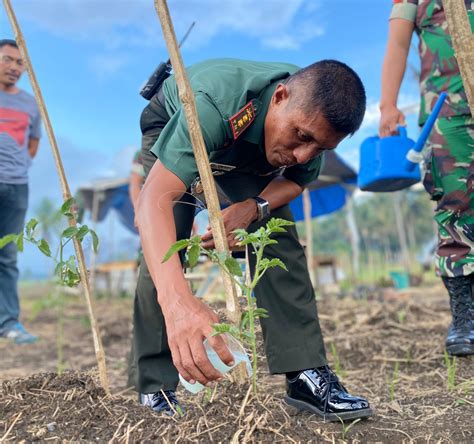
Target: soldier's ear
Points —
{"points": [[281, 94]]}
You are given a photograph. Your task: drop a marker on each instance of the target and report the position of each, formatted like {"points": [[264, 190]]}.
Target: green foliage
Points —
{"points": [[451, 367], [256, 243], [346, 428], [337, 362], [393, 381], [66, 270]]}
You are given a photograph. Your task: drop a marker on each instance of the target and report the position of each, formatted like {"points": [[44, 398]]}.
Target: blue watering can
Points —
{"points": [[391, 163]]}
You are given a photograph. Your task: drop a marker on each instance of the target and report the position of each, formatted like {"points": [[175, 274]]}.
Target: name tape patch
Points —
{"points": [[240, 121]]}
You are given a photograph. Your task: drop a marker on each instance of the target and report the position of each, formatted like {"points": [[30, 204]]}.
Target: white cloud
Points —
{"points": [[406, 103], [126, 23], [104, 65]]}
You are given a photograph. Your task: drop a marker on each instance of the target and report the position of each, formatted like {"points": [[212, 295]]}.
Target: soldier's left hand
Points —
{"points": [[238, 215]]}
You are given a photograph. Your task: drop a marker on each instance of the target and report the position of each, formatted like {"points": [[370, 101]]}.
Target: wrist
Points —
{"points": [[388, 105], [263, 208]]}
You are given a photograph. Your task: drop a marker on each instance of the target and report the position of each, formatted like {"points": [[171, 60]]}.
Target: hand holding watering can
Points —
{"points": [[391, 163]]}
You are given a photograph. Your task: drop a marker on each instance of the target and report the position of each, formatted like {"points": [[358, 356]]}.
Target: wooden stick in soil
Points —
{"points": [[189, 105], [99, 351], [463, 44]]}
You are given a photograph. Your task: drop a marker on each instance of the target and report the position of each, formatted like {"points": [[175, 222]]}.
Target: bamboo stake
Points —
{"points": [[99, 352], [189, 105], [463, 44]]}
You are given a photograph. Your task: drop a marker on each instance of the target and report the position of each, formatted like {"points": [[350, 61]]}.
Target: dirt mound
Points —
{"points": [[390, 352]]}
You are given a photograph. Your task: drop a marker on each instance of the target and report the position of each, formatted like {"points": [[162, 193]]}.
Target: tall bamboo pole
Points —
{"points": [[99, 351], [189, 105], [463, 44]]}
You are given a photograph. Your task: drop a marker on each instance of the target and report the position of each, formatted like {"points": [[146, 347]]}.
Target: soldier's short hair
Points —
{"points": [[8, 42], [334, 89]]}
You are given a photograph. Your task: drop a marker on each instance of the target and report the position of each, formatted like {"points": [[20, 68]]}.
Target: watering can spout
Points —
{"points": [[414, 155]]}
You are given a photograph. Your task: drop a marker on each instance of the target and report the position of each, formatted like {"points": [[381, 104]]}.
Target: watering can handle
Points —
{"points": [[414, 156], [402, 130]]}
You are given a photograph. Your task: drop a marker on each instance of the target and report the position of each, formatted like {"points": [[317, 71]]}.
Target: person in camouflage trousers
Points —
{"points": [[449, 153]]}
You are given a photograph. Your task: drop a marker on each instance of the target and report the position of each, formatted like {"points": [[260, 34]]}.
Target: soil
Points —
{"points": [[389, 349]]}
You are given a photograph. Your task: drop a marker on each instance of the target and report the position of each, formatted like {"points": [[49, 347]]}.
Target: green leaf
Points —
{"points": [[193, 255], [271, 263], [70, 232], [5, 240], [233, 266], [30, 227], [240, 233], [244, 320], [19, 242], [260, 313], [82, 232], [95, 240], [44, 247], [275, 223], [177, 246], [66, 207], [220, 328]]}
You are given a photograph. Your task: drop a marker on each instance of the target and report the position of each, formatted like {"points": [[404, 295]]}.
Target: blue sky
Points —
{"points": [[92, 56]]}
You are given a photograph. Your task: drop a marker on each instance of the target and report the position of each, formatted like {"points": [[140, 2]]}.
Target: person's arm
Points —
{"points": [[33, 145], [393, 70], [134, 187], [278, 192], [188, 320]]}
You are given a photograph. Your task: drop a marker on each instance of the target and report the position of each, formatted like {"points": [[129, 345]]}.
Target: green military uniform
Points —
{"points": [[449, 176], [232, 98]]}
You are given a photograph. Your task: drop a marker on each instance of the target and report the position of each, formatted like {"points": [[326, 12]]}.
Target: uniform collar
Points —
{"points": [[255, 134]]}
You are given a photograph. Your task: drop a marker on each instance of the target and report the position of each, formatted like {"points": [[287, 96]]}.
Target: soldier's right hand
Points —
{"points": [[188, 322], [390, 118]]}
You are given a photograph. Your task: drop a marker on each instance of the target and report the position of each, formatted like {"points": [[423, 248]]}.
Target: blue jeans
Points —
{"points": [[13, 205]]}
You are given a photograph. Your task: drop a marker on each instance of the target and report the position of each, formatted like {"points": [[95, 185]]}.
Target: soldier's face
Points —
{"points": [[11, 65], [291, 136]]}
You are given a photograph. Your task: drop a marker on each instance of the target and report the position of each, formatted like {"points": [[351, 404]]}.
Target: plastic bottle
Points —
{"points": [[238, 352]]}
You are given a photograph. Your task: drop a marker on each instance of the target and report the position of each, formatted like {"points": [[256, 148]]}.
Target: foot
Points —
{"points": [[164, 401], [319, 391], [460, 338], [18, 334]]}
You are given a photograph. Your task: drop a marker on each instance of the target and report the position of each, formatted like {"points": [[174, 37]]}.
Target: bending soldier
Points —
{"points": [[292, 116]]}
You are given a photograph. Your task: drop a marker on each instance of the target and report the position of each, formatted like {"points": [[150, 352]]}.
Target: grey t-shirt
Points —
{"points": [[19, 121]]}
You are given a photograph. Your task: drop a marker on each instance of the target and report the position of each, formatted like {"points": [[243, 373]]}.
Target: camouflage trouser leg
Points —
{"points": [[450, 181]]}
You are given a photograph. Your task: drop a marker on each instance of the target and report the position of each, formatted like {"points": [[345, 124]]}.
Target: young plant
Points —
{"points": [[66, 270], [394, 381], [346, 428], [451, 365], [255, 244], [337, 362]]}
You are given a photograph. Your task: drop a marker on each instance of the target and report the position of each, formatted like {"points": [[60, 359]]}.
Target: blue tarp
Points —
{"points": [[323, 201]]}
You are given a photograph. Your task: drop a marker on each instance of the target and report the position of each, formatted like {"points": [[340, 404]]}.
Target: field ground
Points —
{"points": [[389, 349]]}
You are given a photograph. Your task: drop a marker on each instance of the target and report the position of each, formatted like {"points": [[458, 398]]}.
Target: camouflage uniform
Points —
{"points": [[449, 176]]}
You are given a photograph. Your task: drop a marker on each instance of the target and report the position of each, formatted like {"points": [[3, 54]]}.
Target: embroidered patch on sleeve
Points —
{"points": [[240, 121]]}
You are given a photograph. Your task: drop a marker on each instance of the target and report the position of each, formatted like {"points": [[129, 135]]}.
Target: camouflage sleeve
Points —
{"points": [[404, 9]]}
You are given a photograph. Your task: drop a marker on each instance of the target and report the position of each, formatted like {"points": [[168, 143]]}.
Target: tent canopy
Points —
{"points": [[101, 196]]}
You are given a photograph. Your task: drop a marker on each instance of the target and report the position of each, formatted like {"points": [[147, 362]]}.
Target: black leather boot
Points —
{"points": [[460, 338], [319, 391]]}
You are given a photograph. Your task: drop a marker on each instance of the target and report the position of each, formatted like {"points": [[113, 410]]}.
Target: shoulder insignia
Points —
{"points": [[241, 120]]}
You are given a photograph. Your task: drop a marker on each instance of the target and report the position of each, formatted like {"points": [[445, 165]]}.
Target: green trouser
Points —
{"points": [[450, 181], [292, 335]]}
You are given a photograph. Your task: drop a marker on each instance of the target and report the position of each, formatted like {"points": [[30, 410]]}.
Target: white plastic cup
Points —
{"points": [[238, 352]]}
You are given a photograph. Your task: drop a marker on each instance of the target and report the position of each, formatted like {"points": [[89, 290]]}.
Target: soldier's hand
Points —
{"points": [[390, 118], [188, 322], [238, 215]]}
